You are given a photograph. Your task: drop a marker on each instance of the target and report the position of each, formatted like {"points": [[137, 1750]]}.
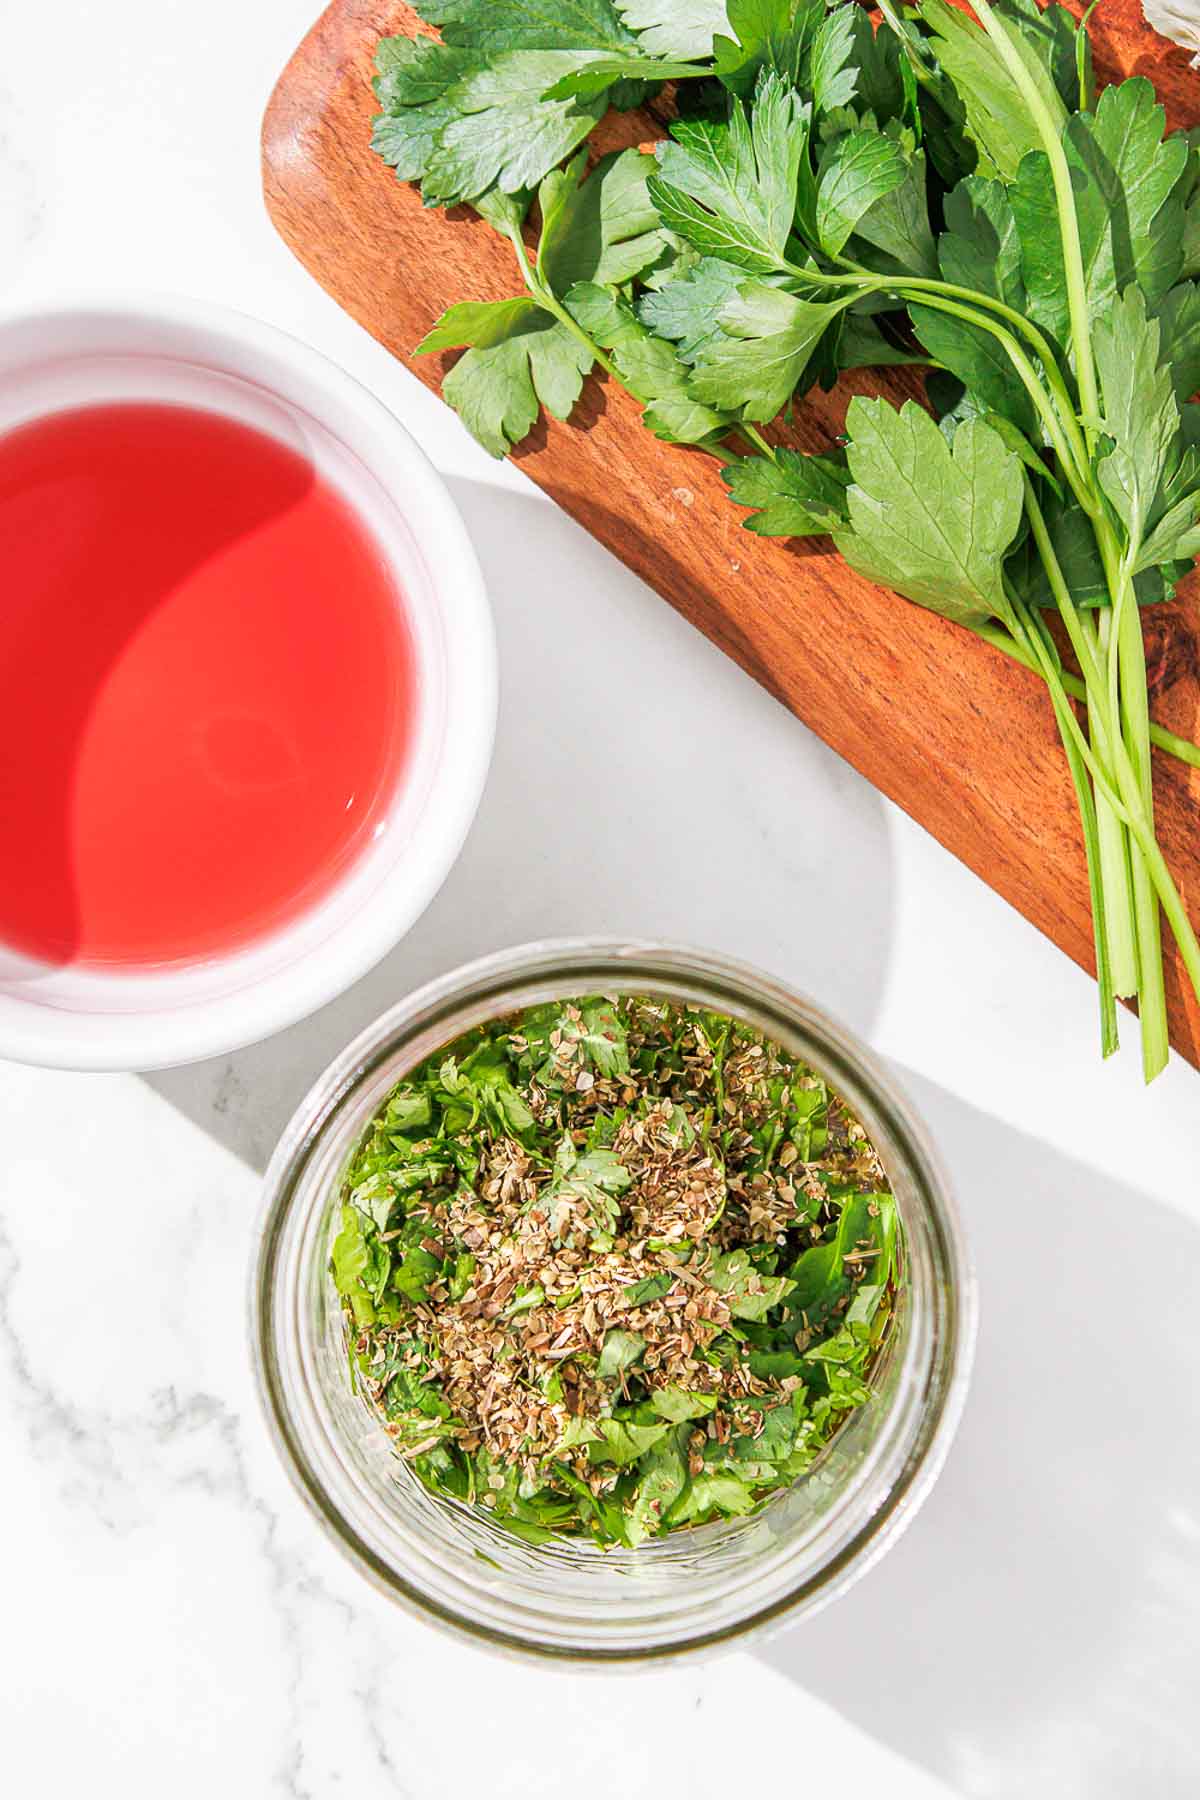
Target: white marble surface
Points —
{"points": [[173, 1622]]}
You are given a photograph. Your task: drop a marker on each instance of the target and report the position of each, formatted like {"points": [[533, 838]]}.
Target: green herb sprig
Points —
{"points": [[950, 192]]}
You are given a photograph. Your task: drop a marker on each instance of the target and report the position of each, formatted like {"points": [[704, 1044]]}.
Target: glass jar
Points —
{"points": [[570, 1599]]}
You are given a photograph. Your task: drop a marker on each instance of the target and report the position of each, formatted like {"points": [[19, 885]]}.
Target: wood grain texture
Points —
{"points": [[964, 741]]}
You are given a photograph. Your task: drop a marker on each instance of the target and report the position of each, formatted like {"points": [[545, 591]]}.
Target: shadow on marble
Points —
{"points": [[765, 844], [1037, 1630]]}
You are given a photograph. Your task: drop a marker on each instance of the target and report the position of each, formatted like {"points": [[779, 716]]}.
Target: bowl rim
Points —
{"points": [[179, 1032]]}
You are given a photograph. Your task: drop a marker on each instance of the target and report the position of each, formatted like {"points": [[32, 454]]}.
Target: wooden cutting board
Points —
{"points": [[961, 739]]}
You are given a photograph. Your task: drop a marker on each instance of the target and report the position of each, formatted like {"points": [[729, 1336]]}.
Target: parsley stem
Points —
{"points": [[1053, 679], [1037, 393], [1150, 872], [1077, 303], [549, 301], [1112, 846], [907, 44], [1117, 857], [1130, 668], [1001, 638], [925, 286], [754, 436], [1120, 638], [1171, 901], [1064, 403], [1034, 628], [1083, 72], [1059, 416], [1180, 747], [1128, 704], [1083, 647], [1125, 799]]}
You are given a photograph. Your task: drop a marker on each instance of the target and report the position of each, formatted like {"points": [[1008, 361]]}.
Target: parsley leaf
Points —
{"points": [[676, 1404], [1141, 414], [560, 1040], [604, 229], [768, 338], [729, 187], [861, 168], [647, 366], [671, 36], [1179, 321], [1121, 152], [819, 1275], [1125, 178], [519, 359], [502, 131], [998, 118], [412, 71], [860, 344], [930, 520], [797, 495], [476, 322], [686, 309], [650, 1287], [351, 1260], [622, 1442], [619, 1351], [584, 1193], [833, 64], [710, 1494], [414, 79], [495, 25], [898, 222], [1054, 39], [519, 356], [980, 247], [766, 34], [749, 1293], [1174, 541], [979, 361], [1189, 198], [413, 1274], [409, 1111], [633, 75], [606, 52], [676, 28], [849, 61], [662, 1478]]}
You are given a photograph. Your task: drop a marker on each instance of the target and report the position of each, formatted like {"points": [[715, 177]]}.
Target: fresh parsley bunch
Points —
{"points": [[948, 192]]}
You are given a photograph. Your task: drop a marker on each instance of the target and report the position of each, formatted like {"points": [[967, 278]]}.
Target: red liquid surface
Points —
{"points": [[206, 685]]}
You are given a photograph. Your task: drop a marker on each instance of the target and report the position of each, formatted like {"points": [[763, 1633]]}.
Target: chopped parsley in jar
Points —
{"points": [[613, 1267]]}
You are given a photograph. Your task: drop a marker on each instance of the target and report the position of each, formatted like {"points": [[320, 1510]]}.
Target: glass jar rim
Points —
{"points": [[883, 1501]]}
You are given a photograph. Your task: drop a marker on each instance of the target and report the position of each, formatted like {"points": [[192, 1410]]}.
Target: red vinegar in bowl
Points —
{"points": [[206, 685]]}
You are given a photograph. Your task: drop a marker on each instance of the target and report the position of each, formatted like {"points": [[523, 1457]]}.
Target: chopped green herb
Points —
{"points": [[629, 1269]]}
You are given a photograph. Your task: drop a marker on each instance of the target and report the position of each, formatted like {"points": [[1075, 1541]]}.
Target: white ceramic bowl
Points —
{"points": [[201, 355]]}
